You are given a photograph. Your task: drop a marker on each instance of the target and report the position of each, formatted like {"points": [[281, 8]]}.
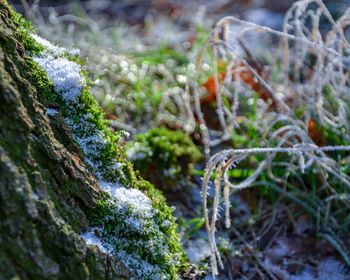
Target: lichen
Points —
{"points": [[132, 218]]}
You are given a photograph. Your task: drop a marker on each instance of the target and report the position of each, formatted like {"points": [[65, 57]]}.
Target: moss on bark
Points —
{"points": [[48, 194]]}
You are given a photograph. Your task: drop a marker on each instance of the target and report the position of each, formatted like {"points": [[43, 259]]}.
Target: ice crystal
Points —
{"points": [[64, 74], [142, 269], [59, 51], [51, 112], [91, 239], [140, 203]]}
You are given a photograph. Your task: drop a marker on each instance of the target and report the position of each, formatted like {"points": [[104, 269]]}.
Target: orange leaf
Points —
{"points": [[315, 132], [245, 75], [209, 85]]}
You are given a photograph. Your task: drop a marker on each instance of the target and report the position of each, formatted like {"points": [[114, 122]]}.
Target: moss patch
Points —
{"points": [[107, 160], [163, 156]]}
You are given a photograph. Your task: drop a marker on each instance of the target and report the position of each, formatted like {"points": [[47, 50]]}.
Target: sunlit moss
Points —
{"points": [[164, 156], [85, 119]]}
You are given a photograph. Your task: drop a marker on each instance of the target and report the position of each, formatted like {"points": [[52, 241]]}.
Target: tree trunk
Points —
{"points": [[46, 191]]}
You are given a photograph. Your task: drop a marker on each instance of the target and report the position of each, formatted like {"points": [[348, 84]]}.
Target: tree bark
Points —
{"points": [[46, 191]]}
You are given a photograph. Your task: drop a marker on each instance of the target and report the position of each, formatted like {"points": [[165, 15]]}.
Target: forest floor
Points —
{"points": [[145, 62]]}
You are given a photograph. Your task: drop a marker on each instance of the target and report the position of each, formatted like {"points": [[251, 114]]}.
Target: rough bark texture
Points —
{"points": [[46, 191]]}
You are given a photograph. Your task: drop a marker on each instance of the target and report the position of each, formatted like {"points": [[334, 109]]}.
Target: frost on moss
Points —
{"points": [[131, 221], [135, 236], [91, 238], [163, 156], [64, 74]]}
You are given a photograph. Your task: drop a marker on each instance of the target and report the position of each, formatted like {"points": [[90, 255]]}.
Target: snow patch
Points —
{"points": [[142, 269], [109, 187], [91, 239], [135, 199], [91, 140], [51, 112], [64, 74], [54, 49], [91, 145]]}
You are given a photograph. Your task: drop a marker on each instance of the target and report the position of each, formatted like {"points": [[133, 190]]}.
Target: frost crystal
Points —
{"points": [[109, 187], [135, 199], [91, 239], [92, 142], [142, 268], [64, 74], [51, 112], [54, 49]]}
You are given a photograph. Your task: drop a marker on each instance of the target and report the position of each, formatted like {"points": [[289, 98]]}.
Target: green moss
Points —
{"points": [[22, 39], [142, 239], [163, 156], [157, 242], [168, 255], [24, 27]]}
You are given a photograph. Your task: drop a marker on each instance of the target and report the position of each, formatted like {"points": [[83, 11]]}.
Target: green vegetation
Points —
{"points": [[148, 244], [294, 104], [164, 157], [140, 81]]}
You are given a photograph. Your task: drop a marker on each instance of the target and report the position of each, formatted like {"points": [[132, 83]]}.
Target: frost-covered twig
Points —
{"points": [[313, 69], [223, 161]]}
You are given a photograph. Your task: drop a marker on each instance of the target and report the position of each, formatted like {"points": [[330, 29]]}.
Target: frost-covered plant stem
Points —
{"points": [[224, 160]]}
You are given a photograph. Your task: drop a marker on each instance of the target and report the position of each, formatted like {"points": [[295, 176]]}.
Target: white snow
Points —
{"points": [[64, 74], [51, 112], [54, 49], [91, 239], [133, 198], [91, 145], [141, 268], [92, 142], [109, 186]]}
